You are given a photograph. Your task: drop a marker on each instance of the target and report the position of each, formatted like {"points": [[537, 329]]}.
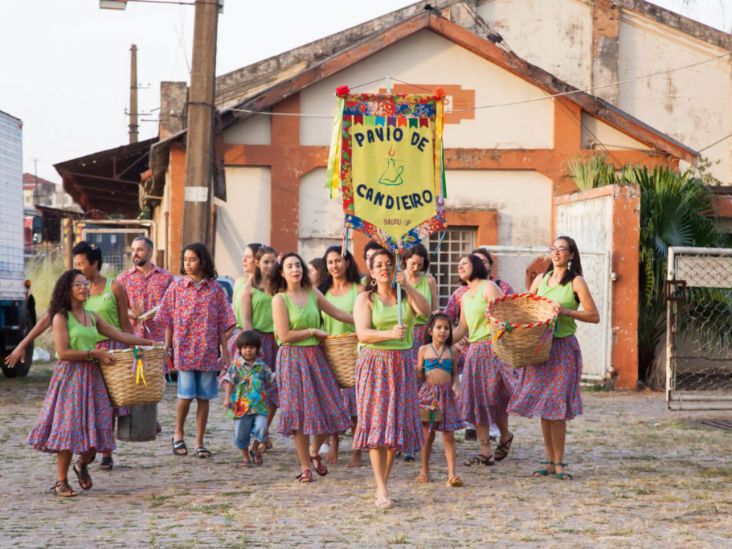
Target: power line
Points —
{"points": [[509, 103], [717, 142]]}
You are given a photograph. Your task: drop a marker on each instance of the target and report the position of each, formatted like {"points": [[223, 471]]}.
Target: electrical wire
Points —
{"points": [[509, 103]]}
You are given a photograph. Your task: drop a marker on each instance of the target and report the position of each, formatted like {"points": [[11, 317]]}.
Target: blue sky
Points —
{"points": [[65, 63]]}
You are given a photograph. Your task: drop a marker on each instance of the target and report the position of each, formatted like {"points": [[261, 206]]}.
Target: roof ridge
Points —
{"points": [[261, 74], [680, 22]]}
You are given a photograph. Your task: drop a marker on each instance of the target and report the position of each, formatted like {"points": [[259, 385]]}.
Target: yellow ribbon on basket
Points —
{"points": [[139, 366]]}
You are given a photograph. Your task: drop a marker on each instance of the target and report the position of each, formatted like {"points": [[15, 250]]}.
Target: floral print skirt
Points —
{"points": [[551, 390], [486, 387], [310, 399], [386, 397], [444, 396], [76, 414]]}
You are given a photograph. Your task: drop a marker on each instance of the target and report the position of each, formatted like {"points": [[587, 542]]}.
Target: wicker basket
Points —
{"points": [[120, 377], [522, 326], [342, 352]]}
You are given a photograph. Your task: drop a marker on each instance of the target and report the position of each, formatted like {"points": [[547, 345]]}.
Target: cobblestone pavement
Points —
{"points": [[644, 477]]}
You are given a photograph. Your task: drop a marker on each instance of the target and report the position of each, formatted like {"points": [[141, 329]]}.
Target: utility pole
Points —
{"points": [[199, 149], [133, 94]]}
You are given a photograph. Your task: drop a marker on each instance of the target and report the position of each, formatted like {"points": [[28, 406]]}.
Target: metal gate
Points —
{"points": [[699, 329], [595, 339]]}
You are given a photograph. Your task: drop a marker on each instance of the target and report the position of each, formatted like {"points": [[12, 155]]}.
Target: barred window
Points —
{"points": [[457, 242]]}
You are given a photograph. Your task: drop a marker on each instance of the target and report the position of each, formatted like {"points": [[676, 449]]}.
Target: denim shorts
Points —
{"points": [[248, 427], [197, 384]]}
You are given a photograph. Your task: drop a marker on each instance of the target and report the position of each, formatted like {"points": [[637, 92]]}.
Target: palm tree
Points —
{"points": [[676, 210]]}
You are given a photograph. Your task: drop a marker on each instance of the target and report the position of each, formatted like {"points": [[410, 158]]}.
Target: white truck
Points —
{"points": [[15, 314]]}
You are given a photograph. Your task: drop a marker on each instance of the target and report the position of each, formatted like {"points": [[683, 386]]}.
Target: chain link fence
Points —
{"points": [[699, 329]]}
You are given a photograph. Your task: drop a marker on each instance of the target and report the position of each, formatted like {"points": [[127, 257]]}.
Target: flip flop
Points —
{"points": [[455, 482], [305, 476], [179, 447]]}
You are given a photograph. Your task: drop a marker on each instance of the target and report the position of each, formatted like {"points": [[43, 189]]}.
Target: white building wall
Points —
{"points": [[523, 200], [256, 130], [321, 219], [691, 105], [426, 58], [244, 217], [556, 35]]}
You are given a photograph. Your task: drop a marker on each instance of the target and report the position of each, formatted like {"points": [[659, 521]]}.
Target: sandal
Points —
{"points": [[82, 473], [543, 472], [503, 448], [563, 475], [480, 459], [423, 478], [305, 476], [63, 490], [321, 469], [203, 452], [107, 463], [179, 447], [256, 457], [455, 482]]}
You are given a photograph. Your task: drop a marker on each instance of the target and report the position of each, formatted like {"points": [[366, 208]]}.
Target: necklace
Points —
{"points": [[82, 322], [439, 355]]}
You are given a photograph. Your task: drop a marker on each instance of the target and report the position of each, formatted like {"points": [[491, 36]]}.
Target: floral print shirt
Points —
{"points": [[198, 314], [146, 292], [249, 381]]}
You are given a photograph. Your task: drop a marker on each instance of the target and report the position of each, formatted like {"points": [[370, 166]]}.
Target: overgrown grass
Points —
{"points": [[43, 274]]}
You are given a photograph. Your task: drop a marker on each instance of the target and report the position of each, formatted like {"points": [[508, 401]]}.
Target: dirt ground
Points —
{"points": [[644, 477]]}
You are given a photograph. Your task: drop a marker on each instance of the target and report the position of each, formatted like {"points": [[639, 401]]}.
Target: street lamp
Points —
{"points": [[122, 4]]}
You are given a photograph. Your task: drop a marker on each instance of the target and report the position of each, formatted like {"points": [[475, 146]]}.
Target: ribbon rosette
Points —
{"points": [[138, 366]]}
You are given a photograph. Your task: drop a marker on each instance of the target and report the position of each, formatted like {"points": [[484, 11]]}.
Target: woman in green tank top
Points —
{"points": [[253, 310], [386, 381], [77, 417], [340, 286], [108, 299], [310, 401], [487, 382], [417, 264], [552, 390]]}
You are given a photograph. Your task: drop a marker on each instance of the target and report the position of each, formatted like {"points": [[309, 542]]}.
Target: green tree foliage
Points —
{"points": [[676, 210]]}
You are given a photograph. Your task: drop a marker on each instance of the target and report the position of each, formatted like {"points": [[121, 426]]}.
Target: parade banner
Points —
{"points": [[386, 159]]}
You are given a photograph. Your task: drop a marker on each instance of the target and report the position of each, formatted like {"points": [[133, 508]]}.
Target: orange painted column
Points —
{"points": [[625, 259], [177, 171], [285, 174]]}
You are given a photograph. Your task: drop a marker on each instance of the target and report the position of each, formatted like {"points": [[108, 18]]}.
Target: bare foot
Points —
{"points": [[355, 459]]}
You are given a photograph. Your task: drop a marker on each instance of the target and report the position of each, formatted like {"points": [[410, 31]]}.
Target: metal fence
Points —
{"points": [[512, 265], [699, 329]]}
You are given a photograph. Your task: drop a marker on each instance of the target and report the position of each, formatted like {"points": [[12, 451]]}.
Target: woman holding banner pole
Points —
{"points": [[386, 385]]}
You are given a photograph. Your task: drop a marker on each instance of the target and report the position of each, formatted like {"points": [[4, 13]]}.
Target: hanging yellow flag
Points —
{"points": [[387, 160]]}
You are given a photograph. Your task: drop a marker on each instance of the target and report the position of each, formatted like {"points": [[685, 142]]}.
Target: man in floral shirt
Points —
{"points": [[145, 284], [197, 317]]}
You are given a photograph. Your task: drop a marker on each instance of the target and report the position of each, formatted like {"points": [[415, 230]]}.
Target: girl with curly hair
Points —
{"points": [[77, 416]]}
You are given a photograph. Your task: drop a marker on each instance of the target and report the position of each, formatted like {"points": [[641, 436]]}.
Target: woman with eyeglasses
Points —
{"points": [[551, 390], [77, 416]]}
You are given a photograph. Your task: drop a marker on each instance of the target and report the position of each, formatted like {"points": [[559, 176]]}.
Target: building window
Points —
{"points": [[457, 242]]}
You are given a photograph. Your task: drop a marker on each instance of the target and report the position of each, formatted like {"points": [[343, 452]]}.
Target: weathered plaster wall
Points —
{"points": [[253, 131], [595, 43], [523, 200], [321, 219], [244, 217], [556, 35], [596, 134], [691, 105], [427, 58]]}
